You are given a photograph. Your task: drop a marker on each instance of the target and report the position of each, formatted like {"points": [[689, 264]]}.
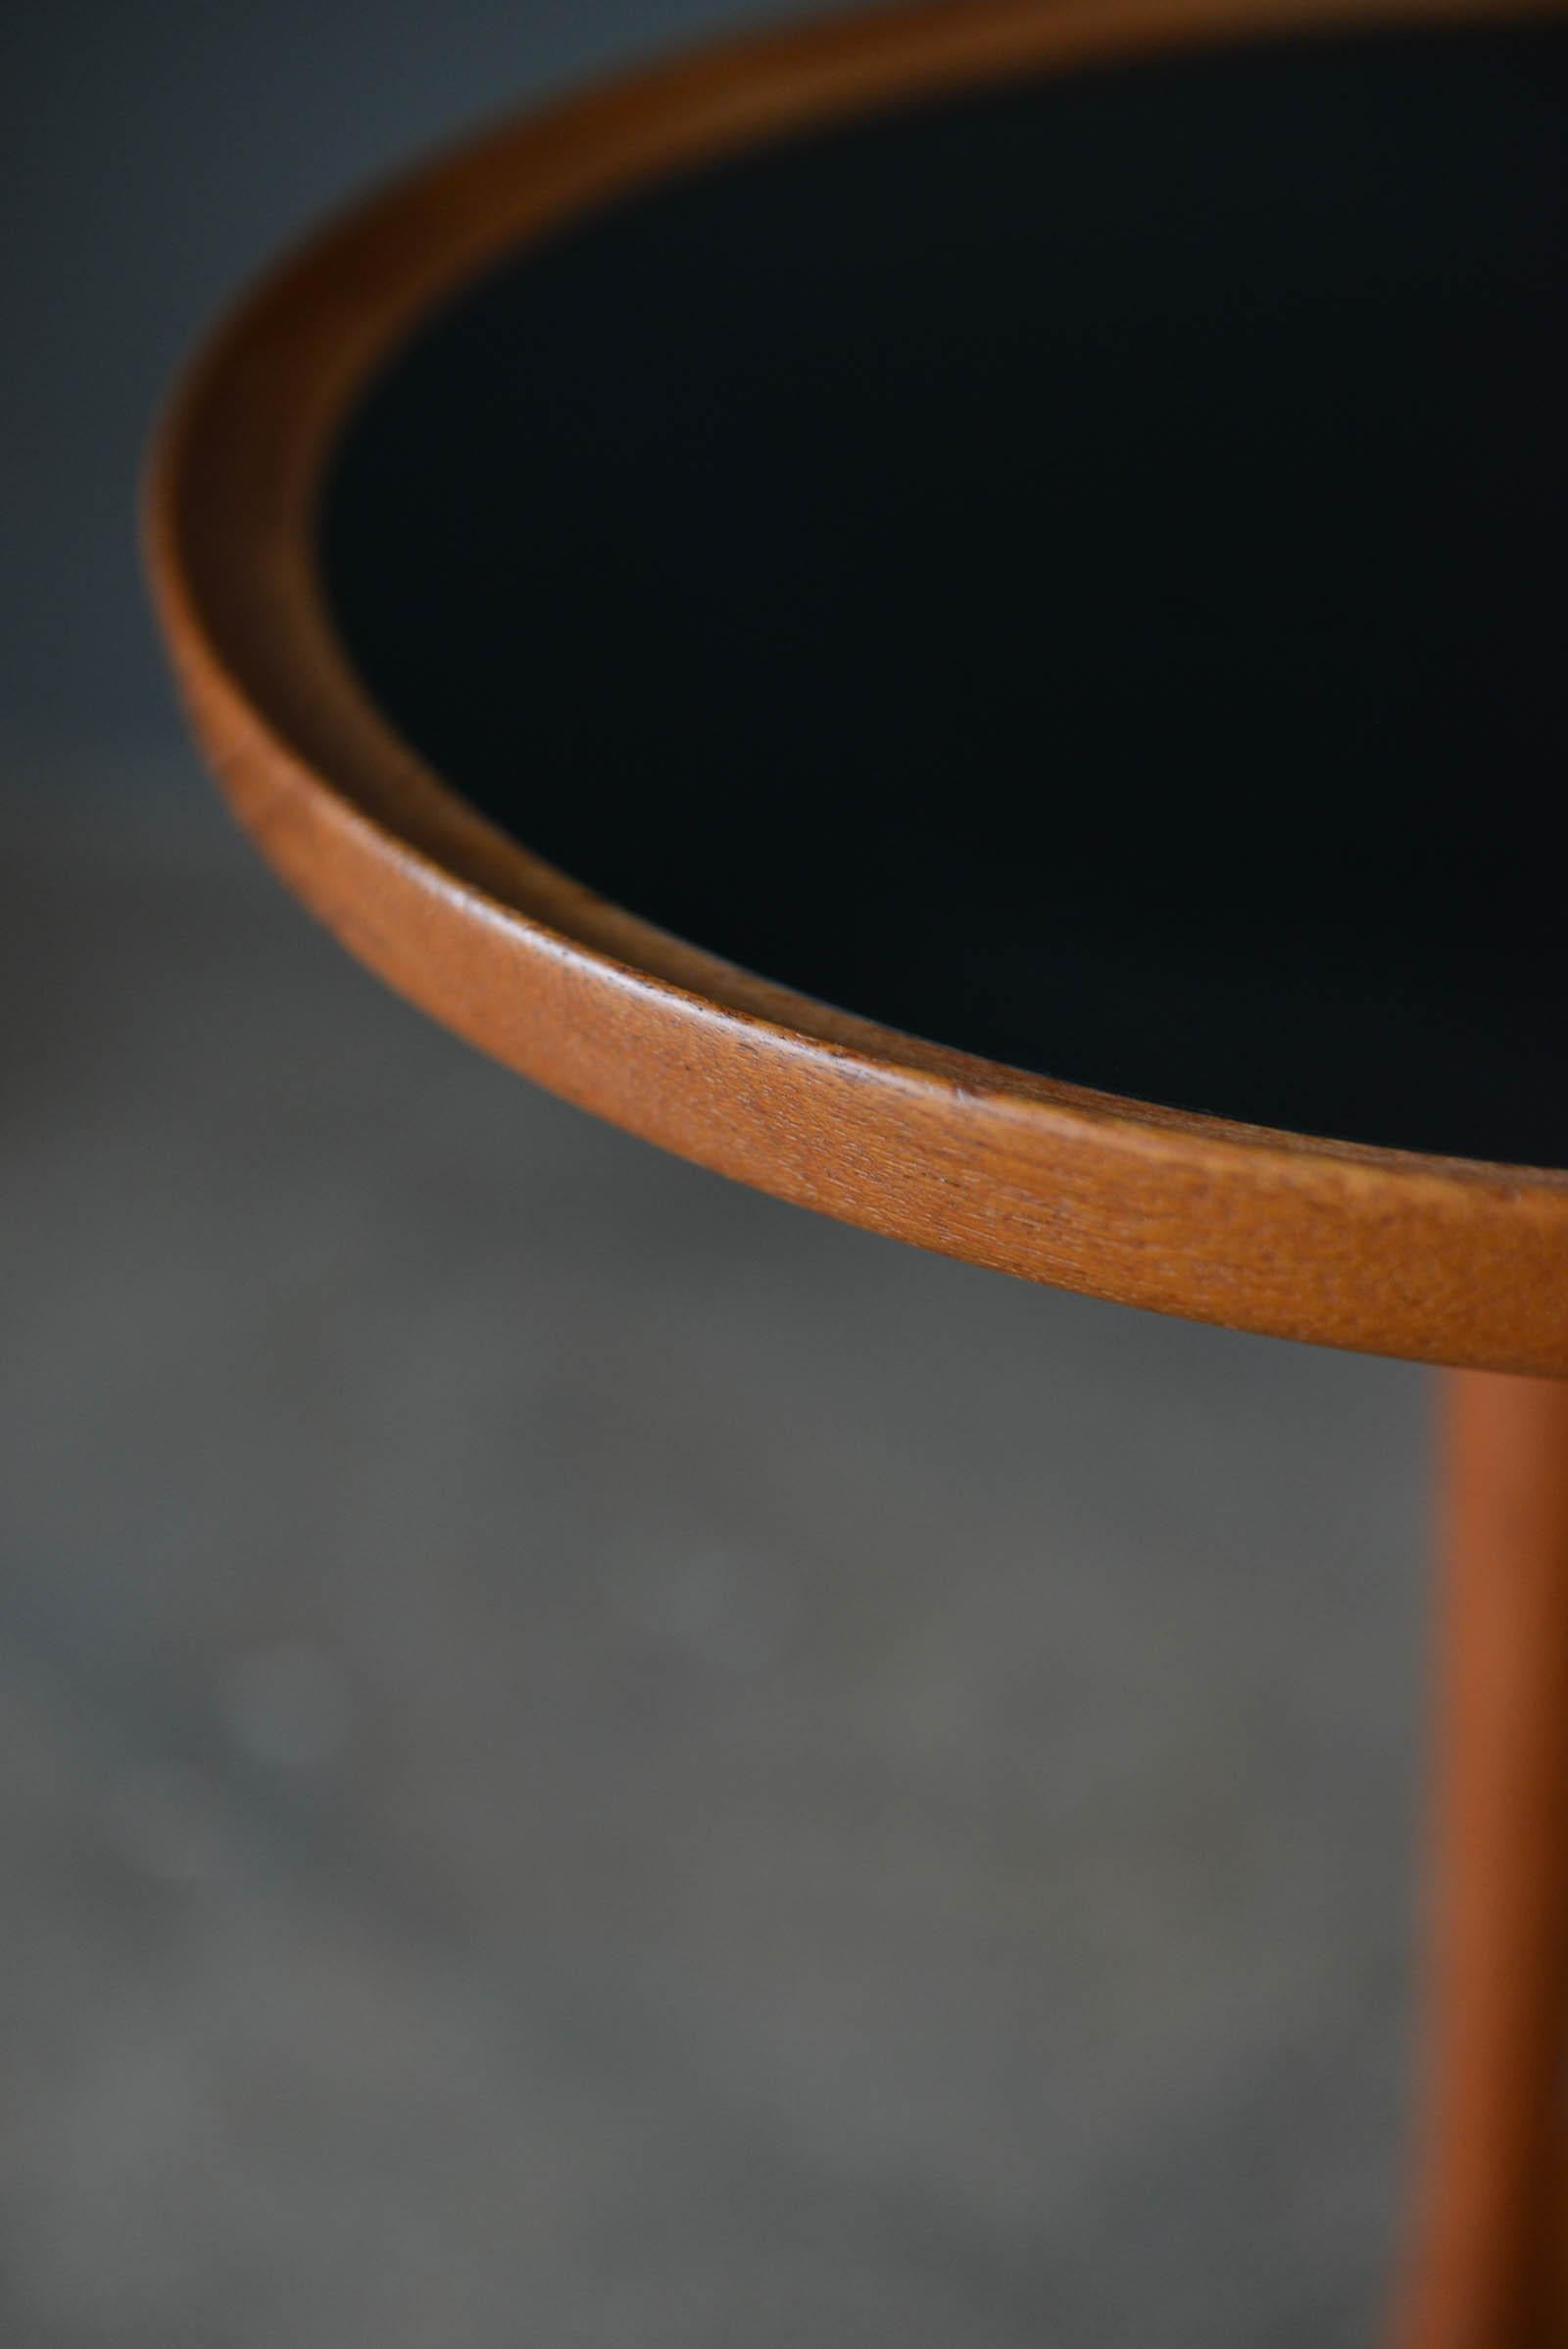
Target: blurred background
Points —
{"points": [[586, 1758]]}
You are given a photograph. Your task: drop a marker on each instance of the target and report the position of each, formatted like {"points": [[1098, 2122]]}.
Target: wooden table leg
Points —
{"points": [[1485, 2268]]}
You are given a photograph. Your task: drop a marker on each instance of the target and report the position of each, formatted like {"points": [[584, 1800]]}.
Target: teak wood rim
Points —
{"points": [[1384, 1250]]}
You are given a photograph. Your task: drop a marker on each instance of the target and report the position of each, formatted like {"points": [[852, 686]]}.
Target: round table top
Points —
{"points": [[960, 615]]}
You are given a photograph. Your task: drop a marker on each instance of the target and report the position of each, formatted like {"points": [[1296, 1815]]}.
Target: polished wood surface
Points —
{"points": [[1488, 2264], [1424, 1253]]}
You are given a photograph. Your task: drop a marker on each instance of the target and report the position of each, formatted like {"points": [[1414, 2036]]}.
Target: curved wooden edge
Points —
{"points": [[1445, 1260]]}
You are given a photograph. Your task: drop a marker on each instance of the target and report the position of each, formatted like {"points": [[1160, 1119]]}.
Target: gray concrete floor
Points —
{"points": [[587, 1760]]}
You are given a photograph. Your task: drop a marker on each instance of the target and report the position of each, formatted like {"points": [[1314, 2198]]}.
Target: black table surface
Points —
{"points": [[1075, 571]]}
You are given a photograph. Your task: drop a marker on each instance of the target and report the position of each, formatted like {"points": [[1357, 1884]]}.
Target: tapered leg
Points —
{"points": [[1485, 2268]]}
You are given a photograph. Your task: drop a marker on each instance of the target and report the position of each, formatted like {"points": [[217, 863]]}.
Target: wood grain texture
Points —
{"points": [[1434, 1259]]}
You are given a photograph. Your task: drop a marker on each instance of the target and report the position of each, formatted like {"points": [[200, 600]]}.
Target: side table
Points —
{"points": [[959, 614]]}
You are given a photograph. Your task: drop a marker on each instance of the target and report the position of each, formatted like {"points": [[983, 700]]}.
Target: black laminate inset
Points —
{"points": [[1076, 573]]}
